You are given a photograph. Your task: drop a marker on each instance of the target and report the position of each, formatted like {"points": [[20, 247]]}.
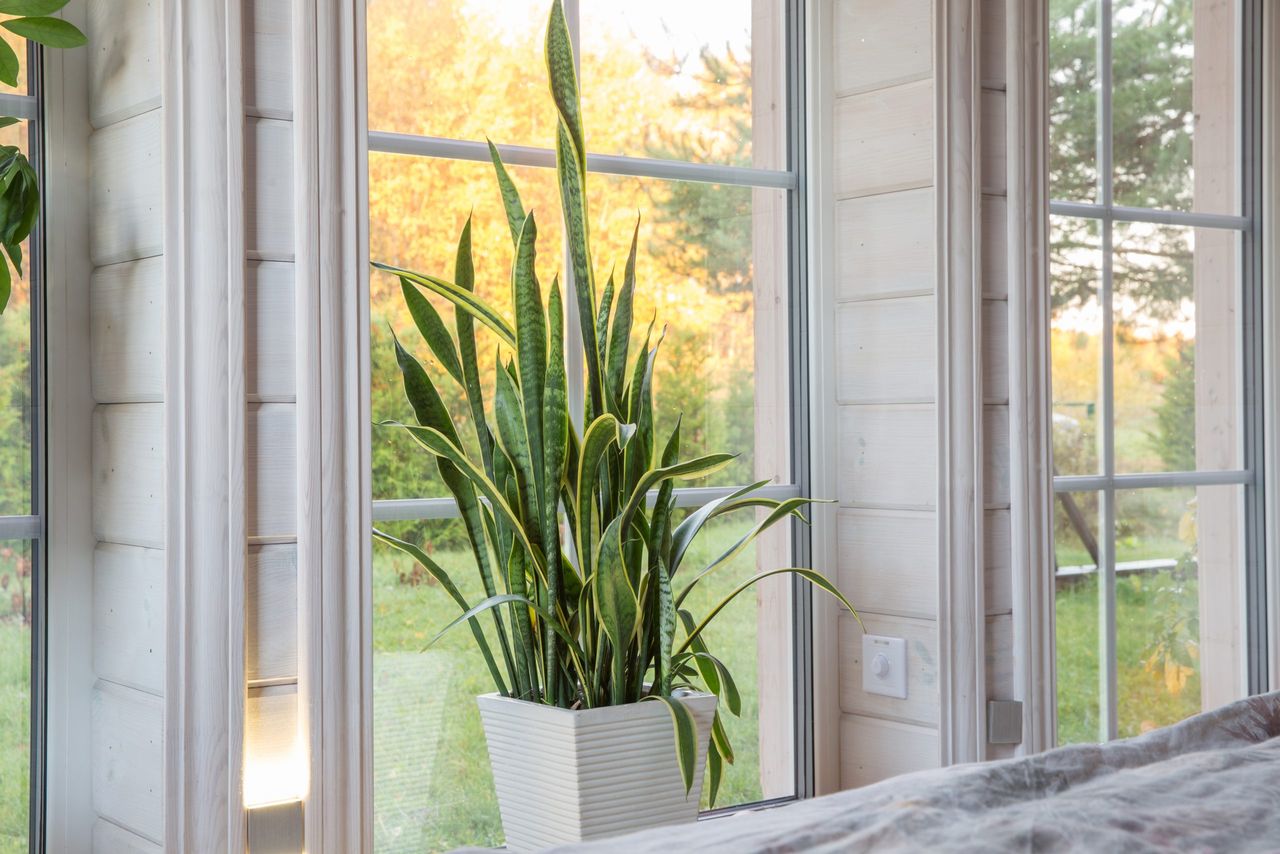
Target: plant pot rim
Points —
{"points": [[530, 707]]}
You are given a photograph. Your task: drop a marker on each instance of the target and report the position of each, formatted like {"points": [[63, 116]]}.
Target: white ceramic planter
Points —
{"points": [[566, 776]]}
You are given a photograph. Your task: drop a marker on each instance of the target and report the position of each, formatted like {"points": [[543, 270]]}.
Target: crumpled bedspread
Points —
{"points": [[1210, 783]]}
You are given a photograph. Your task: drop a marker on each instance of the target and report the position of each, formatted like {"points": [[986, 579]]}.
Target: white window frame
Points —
{"points": [[1251, 473]]}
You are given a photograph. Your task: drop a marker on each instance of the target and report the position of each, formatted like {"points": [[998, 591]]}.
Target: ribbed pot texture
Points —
{"points": [[567, 776]]}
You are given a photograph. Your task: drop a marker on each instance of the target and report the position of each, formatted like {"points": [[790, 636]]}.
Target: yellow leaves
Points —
{"points": [[1164, 666]]}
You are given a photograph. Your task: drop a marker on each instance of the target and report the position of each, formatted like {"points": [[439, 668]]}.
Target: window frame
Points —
{"points": [[31, 528], [792, 180], [1251, 473]]}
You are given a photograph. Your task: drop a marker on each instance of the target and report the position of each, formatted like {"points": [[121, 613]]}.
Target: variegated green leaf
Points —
{"points": [[461, 298], [686, 737], [432, 328], [817, 579], [510, 196]]}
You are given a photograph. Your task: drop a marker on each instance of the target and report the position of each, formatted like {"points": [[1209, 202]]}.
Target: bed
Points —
{"points": [[1210, 783]]}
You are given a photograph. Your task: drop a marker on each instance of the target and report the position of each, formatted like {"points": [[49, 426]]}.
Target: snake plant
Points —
{"points": [[574, 534]]}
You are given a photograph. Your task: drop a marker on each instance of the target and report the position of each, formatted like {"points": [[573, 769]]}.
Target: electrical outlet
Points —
{"points": [[884, 666]]}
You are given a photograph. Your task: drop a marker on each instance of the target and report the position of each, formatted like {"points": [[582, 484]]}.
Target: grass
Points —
{"points": [[15, 713], [1147, 606]]}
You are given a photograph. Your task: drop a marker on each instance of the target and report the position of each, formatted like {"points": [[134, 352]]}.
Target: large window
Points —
{"points": [[1154, 359], [21, 503], [687, 128]]}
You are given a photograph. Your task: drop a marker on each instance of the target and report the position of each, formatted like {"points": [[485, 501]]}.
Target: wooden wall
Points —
{"points": [[884, 280], [126, 342]]}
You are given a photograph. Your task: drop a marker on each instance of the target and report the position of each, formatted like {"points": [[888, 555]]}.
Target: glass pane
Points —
{"points": [[700, 82], [16, 400], [1177, 381], [466, 70], [1073, 100], [1075, 526], [1175, 104], [417, 209], [709, 255], [752, 636], [1178, 562], [432, 790], [1076, 342], [15, 693]]}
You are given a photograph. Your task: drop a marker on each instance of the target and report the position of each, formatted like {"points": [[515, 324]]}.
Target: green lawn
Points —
{"points": [[15, 714]]}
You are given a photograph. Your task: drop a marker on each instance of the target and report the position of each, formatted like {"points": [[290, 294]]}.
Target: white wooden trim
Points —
{"points": [[823, 428], [961, 624], [69, 407], [1271, 303], [203, 179], [1030, 480], [334, 471]]}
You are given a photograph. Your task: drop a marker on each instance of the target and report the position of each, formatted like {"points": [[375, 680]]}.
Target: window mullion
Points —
{"points": [[1108, 676]]}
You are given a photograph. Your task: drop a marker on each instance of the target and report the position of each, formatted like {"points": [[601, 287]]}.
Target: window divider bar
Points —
{"points": [[415, 509], [20, 106], [1121, 213], [387, 142], [1108, 695], [1152, 480], [20, 528]]}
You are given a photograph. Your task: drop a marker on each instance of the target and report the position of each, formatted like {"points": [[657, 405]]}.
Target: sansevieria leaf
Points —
{"points": [[686, 734], [460, 297]]}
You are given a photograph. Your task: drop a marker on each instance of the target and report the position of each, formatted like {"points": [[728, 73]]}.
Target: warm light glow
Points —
{"points": [[274, 779], [275, 767]]}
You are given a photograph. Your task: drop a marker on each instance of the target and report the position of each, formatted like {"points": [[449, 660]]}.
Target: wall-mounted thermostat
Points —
{"points": [[884, 666]]}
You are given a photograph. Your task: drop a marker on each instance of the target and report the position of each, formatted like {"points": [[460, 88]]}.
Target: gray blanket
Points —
{"points": [[1210, 783]]}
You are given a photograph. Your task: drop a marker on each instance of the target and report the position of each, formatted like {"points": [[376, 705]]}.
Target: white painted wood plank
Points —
{"points": [[888, 455], [270, 331], [885, 351], [872, 749], [888, 560], [994, 176], [995, 422], [921, 703], [128, 758], [271, 618], [884, 140], [999, 642], [271, 449], [268, 165], [995, 244], [268, 58], [128, 474], [129, 616], [125, 191], [109, 838], [877, 46], [997, 556], [995, 351], [991, 60], [886, 245], [124, 59], [126, 318]]}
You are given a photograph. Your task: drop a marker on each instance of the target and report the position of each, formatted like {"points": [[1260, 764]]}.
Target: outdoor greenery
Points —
{"points": [[580, 563]]}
